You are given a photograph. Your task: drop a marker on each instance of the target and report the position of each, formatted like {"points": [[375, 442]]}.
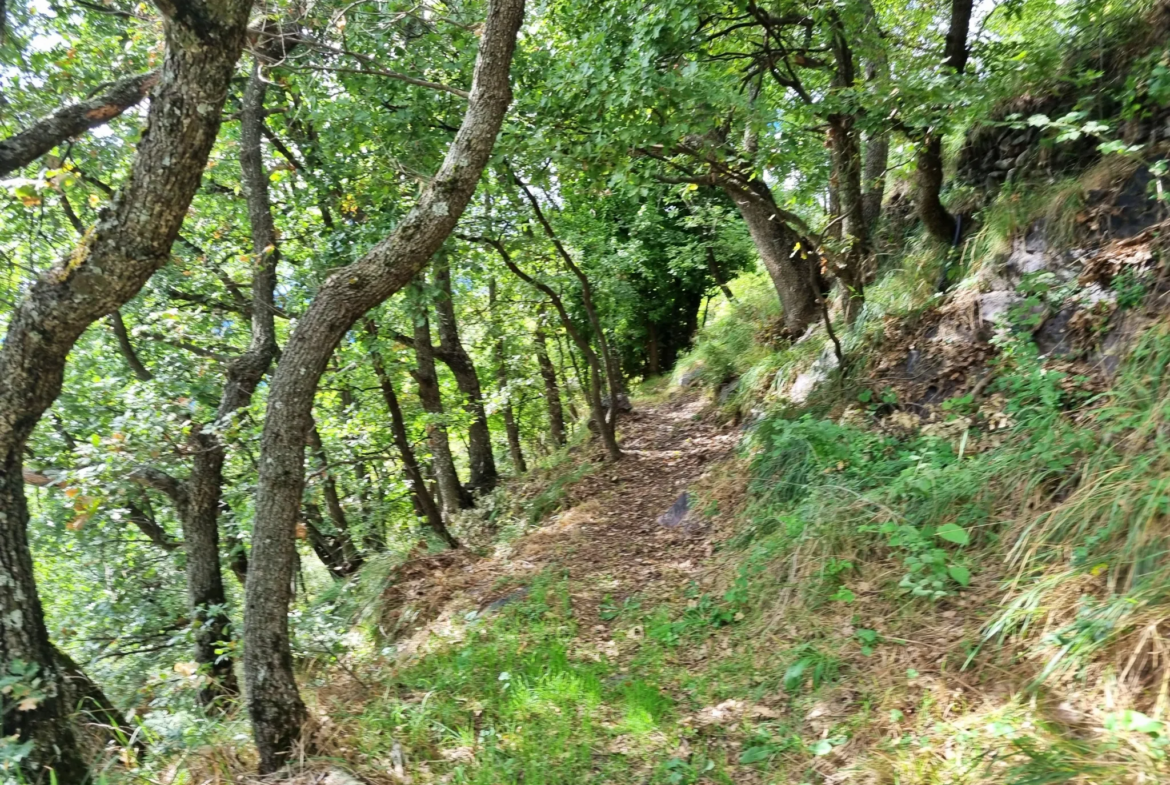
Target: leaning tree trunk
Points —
{"points": [[410, 466], [613, 375], [131, 240], [198, 499], [452, 494], [274, 704], [605, 425], [552, 390], [790, 267], [30, 144], [483, 475]]}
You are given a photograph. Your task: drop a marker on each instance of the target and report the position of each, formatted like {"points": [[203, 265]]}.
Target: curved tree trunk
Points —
{"points": [[130, 242], [274, 703], [483, 475], [791, 270], [605, 425], [614, 382]]}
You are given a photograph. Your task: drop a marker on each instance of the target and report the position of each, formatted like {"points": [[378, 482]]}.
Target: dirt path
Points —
{"points": [[611, 539]]}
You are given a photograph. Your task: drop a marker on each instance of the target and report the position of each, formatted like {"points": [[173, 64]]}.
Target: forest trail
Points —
{"points": [[622, 532]]}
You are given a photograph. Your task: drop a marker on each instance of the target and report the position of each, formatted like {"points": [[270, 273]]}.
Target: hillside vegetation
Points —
{"points": [[555, 392]]}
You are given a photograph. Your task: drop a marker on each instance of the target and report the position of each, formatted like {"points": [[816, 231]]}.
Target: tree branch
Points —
{"points": [[30, 144]]}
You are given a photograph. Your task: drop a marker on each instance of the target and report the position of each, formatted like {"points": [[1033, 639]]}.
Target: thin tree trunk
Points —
{"points": [[511, 428], [483, 475], [935, 217], [414, 476], [845, 148], [877, 145], [131, 241], [717, 275], [205, 588], [374, 538], [127, 348], [275, 706], [613, 376], [453, 495], [652, 362], [552, 390], [593, 391], [348, 558]]}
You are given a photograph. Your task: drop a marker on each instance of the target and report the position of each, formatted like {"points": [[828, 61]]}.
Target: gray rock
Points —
{"points": [[513, 596], [677, 514]]}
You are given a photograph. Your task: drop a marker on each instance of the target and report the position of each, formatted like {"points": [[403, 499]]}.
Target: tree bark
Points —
{"points": [[845, 148], [24, 147], [414, 476], [934, 215], [483, 475], [131, 240], [792, 270], [205, 588], [452, 495], [275, 706], [548, 374]]}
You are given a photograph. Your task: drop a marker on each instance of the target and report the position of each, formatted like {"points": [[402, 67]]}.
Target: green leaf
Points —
{"points": [[755, 754], [952, 532], [960, 573]]}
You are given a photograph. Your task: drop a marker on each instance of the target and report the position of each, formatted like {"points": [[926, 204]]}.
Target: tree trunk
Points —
{"points": [[652, 368], [613, 375], [130, 242], [935, 217], [349, 559], [373, 537], [424, 501], [552, 390], [792, 271], [483, 475], [205, 588], [877, 145], [845, 149], [275, 706], [87, 698], [452, 494], [717, 275], [877, 154], [605, 425]]}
